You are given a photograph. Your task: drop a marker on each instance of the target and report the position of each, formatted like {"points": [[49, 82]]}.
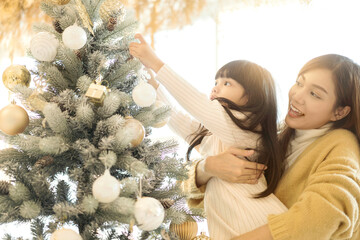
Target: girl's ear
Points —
{"points": [[340, 113]]}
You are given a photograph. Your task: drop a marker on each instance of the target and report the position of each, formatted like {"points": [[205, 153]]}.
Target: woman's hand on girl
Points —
{"points": [[145, 53], [230, 167]]}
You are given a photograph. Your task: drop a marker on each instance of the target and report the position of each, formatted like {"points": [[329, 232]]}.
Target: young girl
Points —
{"points": [[321, 184], [242, 113]]}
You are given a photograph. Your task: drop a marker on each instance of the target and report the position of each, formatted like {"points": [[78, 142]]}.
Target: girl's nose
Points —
{"points": [[214, 90]]}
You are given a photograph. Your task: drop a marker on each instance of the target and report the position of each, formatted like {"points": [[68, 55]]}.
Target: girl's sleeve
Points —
{"points": [[180, 123], [210, 113], [328, 208]]}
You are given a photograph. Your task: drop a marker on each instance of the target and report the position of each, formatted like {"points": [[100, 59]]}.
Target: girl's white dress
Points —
{"points": [[229, 207]]}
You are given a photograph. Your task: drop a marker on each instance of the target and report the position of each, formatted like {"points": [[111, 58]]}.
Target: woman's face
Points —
{"points": [[230, 89], [312, 100]]}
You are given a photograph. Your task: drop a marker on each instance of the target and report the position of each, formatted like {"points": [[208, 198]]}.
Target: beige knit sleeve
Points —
{"points": [[328, 208], [180, 123]]}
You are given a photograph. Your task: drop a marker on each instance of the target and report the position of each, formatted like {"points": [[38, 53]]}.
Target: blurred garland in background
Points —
{"points": [[17, 17]]}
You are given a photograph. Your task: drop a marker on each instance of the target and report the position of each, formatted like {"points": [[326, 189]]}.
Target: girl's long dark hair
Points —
{"points": [[346, 77], [260, 110]]}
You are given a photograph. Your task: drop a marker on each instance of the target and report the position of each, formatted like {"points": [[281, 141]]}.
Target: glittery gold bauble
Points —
{"points": [[14, 75], [185, 231], [13, 119], [135, 129], [60, 2], [202, 236], [111, 8]]}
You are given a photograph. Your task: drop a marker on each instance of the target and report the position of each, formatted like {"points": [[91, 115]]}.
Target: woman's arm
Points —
{"points": [[227, 166]]}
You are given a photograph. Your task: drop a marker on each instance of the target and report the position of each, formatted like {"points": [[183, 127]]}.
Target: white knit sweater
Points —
{"points": [[229, 207]]}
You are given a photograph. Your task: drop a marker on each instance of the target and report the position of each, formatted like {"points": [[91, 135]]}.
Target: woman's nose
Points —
{"points": [[298, 96]]}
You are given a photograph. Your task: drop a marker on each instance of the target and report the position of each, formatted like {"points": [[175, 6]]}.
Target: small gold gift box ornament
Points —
{"points": [[97, 92]]}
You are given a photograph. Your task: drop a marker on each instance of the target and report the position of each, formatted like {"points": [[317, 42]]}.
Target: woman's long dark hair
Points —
{"points": [[260, 110], [346, 77]]}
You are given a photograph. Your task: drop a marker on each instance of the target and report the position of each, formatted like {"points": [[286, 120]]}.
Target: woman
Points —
{"points": [[320, 185]]}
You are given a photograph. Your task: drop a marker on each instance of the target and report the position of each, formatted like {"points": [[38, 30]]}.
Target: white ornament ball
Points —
{"points": [[65, 234], [74, 37], [144, 94], [149, 213], [106, 188], [159, 104], [43, 46]]}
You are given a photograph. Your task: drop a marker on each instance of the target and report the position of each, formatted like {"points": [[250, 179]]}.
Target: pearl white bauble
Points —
{"points": [[106, 188], [159, 104], [135, 130], [65, 234], [74, 37], [144, 94], [43, 46], [149, 213], [13, 119]]}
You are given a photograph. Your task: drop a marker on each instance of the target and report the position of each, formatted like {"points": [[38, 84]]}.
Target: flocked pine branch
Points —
{"points": [[73, 137]]}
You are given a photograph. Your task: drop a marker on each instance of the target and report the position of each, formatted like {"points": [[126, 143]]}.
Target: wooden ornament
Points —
{"points": [[185, 231]]}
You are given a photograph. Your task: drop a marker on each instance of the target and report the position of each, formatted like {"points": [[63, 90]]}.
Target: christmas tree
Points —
{"points": [[84, 158]]}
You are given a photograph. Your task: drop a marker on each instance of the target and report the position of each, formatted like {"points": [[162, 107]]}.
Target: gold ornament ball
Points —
{"points": [[185, 231], [202, 236], [14, 75], [13, 119], [60, 2], [136, 130]]}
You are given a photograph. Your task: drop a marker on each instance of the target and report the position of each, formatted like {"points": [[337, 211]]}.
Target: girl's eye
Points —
{"points": [[215, 83], [227, 84], [314, 94], [298, 84]]}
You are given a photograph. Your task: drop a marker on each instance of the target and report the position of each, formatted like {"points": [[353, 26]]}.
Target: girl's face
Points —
{"points": [[230, 89], [312, 100]]}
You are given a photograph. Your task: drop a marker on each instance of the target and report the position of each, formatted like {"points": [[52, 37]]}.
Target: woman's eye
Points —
{"points": [[298, 84], [314, 94]]}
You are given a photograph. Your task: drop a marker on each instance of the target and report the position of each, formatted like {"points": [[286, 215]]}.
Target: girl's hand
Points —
{"points": [[230, 167], [145, 54], [152, 80]]}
